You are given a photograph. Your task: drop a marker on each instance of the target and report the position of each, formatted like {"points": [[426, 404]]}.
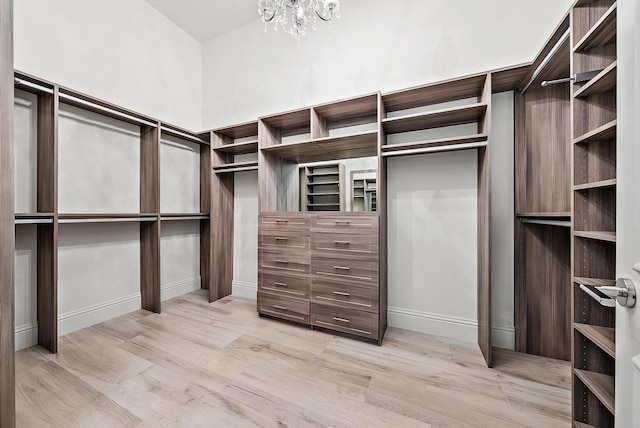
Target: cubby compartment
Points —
{"points": [[596, 210], [593, 112], [351, 117], [591, 357], [594, 163], [591, 392], [235, 148], [594, 258]]}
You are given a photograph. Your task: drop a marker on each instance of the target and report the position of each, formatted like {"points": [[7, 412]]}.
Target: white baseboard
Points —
{"points": [[463, 329], [175, 289], [26, 336], [86, 317], [245, 290]]}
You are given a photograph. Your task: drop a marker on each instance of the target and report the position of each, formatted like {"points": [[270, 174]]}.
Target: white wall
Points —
{"points": [[377, 45], [179, 258], [245, 231], [122, 51]]}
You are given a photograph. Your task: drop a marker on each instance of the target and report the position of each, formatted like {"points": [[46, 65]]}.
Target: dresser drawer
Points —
{"points": [[350, 321], [345, 268], [284, 220], [283, 284], [285, 261], [360, 244], [288, 308], [344, 294], [276, 237], [345, 222]]}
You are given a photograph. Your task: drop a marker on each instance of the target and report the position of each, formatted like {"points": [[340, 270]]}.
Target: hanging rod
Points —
{"points": [[604, 301], [193, 217], [108, 220], [33, 221], [546, 222], [436, 149], [17, 81], [576, 78], [110, 111], [228, 170], [182, 134], [547, 58]]}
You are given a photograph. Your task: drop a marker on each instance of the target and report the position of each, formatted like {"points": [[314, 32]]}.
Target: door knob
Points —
{"points": [[624, 292]]}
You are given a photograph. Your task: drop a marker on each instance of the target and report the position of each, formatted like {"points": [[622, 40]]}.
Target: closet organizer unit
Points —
{"points": [[593, 51], [76, 145], [324, 269]]}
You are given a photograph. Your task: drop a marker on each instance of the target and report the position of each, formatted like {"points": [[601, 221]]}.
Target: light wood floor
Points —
{"points": [[220, 365]]}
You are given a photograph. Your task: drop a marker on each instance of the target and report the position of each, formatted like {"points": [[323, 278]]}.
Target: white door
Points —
{"points": [[628, 212]]}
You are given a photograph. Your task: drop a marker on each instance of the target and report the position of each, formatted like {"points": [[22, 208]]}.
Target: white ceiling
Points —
{"points": [[206, 19]]}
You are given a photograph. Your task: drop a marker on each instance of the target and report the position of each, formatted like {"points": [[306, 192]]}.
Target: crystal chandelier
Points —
{"points": [[293, 16]]}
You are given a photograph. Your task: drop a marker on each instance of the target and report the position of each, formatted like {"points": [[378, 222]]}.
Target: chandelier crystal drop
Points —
{"points": [[294, 16]]}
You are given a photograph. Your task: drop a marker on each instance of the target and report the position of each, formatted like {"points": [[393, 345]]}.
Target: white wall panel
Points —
{"points": [[180, 257], [25, 154], [179, 176]]}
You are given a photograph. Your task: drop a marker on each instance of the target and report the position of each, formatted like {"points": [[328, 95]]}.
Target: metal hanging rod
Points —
{"points": [[108, 220], [33, 221], [546, 222], [17, 81], [228, 170], [547, 58], [182, 134], [436, 149], [176, 218], [110, 111], [604, 301], [576, 78]]}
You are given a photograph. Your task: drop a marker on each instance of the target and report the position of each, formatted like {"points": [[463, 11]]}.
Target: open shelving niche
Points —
{"points": [[593, 49], [47, 213]]}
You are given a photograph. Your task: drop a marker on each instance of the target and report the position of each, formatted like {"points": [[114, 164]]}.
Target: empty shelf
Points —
{"points": [[605, 81], [545, 215], [602, 33], [435, 119], [239, 148], [577, 424], [604, 132], [600, 236], [603, 337], [596, 185], [602, 386], [442, 144]]}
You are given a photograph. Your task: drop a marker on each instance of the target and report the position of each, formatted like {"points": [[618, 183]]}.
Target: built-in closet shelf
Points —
{"points": [[106, 218], [324, 193], [602, 386], [596, 185], [455, 89], [183, 216], [600, 236], [594, 282], [603, 337], [239, 148], [555, 215], [435, 119], [235, 167], [324, 183], [363, 144], [439, 145], [602, 33], [605, 81], [577, 424], [604, 132]]}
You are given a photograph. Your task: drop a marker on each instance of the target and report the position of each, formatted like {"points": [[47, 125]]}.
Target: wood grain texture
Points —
{"points": [[149, 169], [435, 119], [47, 286], [268, 165], [206, 179], [7, 238], [484, 232], [47, 157], [222, 236], [150, 266], [162, 370], [381, 190]]}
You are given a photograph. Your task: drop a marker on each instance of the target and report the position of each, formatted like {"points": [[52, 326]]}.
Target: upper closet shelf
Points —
{"points": [[438, 145], [600, 236], [604, 132], [361, 144], [602, 33], [435, 119], [236, 167], [605, 81], [603, 337]]}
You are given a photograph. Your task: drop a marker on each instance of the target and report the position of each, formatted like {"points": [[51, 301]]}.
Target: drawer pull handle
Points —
{"points": [[281, 284], [341, 268], [341, 293], [341, 242], [282, 308], [342, 222], [341, 320], [284, 262], [282, 221], [281, 238]]}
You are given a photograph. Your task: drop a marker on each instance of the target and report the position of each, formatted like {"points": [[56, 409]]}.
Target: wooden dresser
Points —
{"points": [[321, 269]]}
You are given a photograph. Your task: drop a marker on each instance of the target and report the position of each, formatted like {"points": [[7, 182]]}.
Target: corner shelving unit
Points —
{"points": [[322, 187], [594, 211]]}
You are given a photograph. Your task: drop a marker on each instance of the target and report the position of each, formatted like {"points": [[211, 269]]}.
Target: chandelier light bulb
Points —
{"points": [[294, 16]]}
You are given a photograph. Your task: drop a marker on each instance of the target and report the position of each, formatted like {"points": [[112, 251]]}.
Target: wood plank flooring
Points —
{"points": [[201, 364]]}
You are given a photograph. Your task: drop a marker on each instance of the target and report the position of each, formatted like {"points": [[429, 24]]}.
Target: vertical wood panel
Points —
{"points": [[222, 233], [484, 234], [47, 286], [7, 341], [205, 208], [47, 181], [268, 168], [382, 225], [150, 232]]}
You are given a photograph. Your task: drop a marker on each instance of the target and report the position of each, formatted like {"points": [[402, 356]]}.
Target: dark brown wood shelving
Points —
{"points": [[602, 33], [605, 81], [441, 144], [596, 185], [602, 386], [239, 148], [603, 337], [600, 236], [435, 119], [604, 132]]}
